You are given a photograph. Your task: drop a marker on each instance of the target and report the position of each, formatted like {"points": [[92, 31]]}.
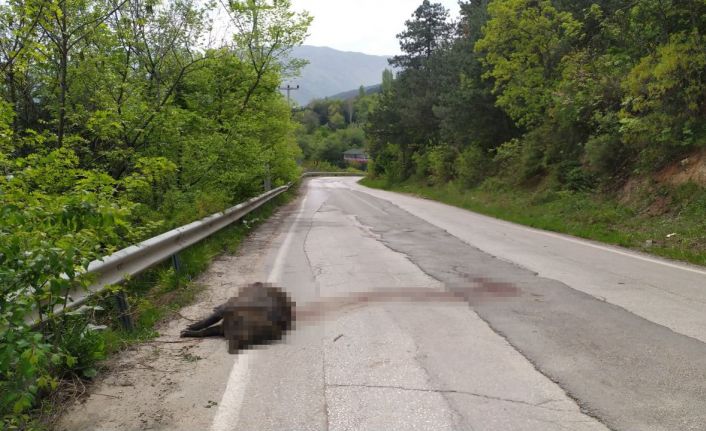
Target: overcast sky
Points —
{"points": [[367, 26]]}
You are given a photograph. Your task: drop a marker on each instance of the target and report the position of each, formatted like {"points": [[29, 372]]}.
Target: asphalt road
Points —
{"points": [[551, 332]]}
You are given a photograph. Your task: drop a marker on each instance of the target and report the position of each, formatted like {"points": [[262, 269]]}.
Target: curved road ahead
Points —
{"points": [[553, 332]]}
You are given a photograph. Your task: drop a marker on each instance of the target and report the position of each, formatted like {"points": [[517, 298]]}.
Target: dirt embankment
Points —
{"points": [[641, 192], [689, 169]]}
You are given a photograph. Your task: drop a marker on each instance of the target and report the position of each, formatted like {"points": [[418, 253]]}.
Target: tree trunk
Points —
{"points": [[63, 81]]}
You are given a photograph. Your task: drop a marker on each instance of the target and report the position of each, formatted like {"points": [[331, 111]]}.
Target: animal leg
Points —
{"points": [[211, 331], [205, 323]]}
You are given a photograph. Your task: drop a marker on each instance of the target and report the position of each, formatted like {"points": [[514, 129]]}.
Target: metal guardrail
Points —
{"points": [[331, 174], [135, 259]]}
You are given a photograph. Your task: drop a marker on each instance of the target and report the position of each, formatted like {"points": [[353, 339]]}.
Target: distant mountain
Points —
{"points": [[371, 89], [331, 72]]}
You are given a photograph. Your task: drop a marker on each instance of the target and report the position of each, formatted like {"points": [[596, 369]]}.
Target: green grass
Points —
{"points": [[637, 222]]}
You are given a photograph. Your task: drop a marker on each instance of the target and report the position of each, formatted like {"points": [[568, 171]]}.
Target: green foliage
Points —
{"points": [[389, 164], [428, 31], [665, 101], [472, 166], [328, 128], [387, 79], [441, 164], [116, 125], [56, 219], [523, 44], [421, 164], [577, 94]]}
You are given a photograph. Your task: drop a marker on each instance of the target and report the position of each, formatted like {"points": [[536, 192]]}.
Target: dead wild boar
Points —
{"points": [[259, 314], [262, 313]]}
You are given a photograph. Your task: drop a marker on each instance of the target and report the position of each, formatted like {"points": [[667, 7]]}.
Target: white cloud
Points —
{"points": [[367, 26]]}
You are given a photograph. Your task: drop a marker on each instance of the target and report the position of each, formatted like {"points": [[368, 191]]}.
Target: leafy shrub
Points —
{"points": [[605, 154], [533, 163], [508, 157], [441, 164], [662, 113], [493, 184], [55, 218], [472, 166], [389, 163], [574, 177], [421, 166]]}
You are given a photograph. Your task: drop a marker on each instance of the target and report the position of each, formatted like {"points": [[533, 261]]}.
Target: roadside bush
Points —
{"points": [[55, 218], [574, 177], [421, 166], [389, 163], [493, 184], [472, 166], [508, 157], [320, 166], [441, 164], [533, 155]]}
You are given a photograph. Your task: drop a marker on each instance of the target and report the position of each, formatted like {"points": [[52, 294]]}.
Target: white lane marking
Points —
{"points": [[278, 266], [588, 243], [623, 253], [229, 408], [228, 413]]}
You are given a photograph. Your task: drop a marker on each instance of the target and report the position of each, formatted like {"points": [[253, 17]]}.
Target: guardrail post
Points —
{"points": [[176, 264], [268, 178], [124, 310]]}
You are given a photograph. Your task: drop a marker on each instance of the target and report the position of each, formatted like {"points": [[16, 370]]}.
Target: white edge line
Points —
{"points": [[232, 399], [623, 253], [228, 413], [278, 266]]}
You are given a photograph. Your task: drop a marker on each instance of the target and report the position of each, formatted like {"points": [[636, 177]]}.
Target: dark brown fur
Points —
{"points": [[259, 314]]}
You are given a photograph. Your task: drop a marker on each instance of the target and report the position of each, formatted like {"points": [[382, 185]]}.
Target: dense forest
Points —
{"points": [[120, 119], [583, 93]]}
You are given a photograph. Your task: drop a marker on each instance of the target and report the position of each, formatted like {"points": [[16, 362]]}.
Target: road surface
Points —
{"points": [[555, 333]]}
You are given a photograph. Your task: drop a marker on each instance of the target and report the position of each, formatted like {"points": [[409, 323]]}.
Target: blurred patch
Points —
{"points": [[263, 313], [260, 314]]}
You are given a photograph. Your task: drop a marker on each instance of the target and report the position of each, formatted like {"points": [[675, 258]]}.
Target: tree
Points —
{"points": [[19, 21], [66, 24], [466, 106], [387, 78], [428, 31], [522, 47], [666, 100], [267, 30], [409, 100]]}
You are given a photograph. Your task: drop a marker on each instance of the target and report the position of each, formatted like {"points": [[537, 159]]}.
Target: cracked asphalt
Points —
{"points": [[539, 332]]}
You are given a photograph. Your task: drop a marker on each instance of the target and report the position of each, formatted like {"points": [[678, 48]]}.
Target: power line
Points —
{"points": [[289, 89]]}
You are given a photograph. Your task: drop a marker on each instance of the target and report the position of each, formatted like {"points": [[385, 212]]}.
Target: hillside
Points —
{"points": [[331, 72], [371, 89]]}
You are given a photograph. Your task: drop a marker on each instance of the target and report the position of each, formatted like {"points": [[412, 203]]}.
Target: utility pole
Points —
{"points": [[289, 90]]}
